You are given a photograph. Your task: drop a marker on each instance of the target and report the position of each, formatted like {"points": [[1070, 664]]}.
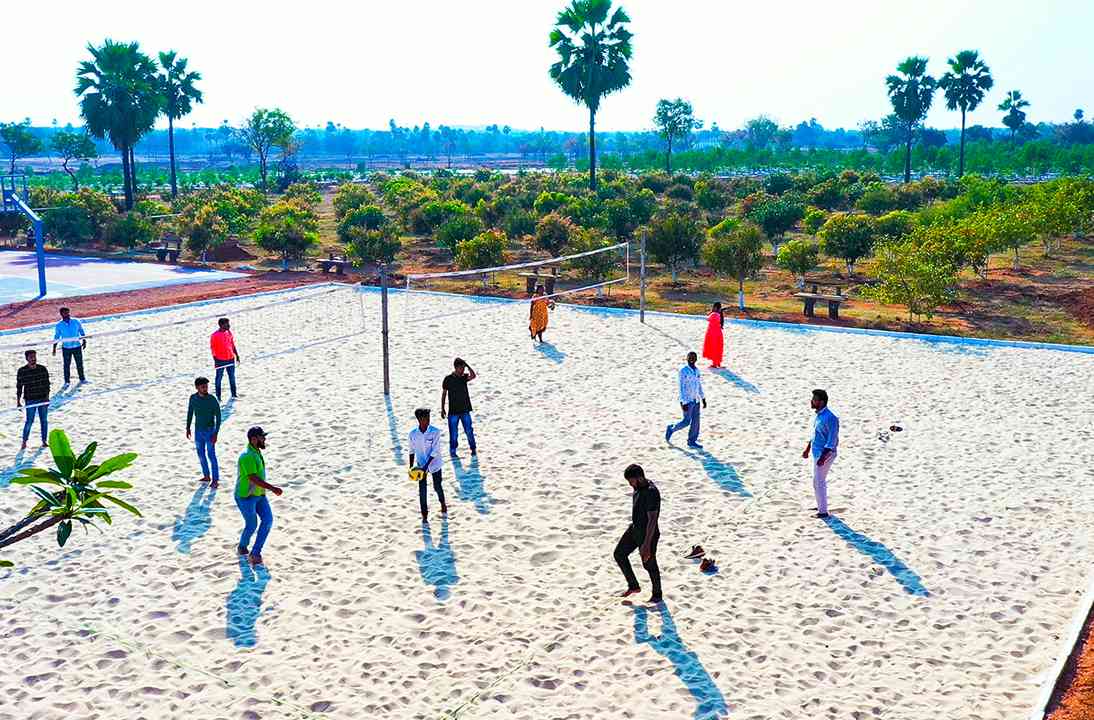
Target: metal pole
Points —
{"points": [[40, 252], [642, 281], [383, 315]]}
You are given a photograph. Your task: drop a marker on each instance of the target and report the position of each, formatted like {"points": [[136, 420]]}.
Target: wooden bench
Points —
{"points": [[337, 264], [167, 249], [532, 279]]}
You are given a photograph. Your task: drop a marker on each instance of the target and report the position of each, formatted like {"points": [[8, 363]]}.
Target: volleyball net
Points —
{"points": [[140, 349], [560, 279]]}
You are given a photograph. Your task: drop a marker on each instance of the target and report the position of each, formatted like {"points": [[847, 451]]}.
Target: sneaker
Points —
{"points": [[821, 516], [474, 453], [697, 446], [668, 433]]}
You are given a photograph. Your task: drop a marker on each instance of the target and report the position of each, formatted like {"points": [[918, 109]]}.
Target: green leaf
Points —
{"points": [[85, 456], [63, 531], [113, 465], [34, 481], [59, 445], [47, 497], [39, 473], [114, 485], [123, 504], [6, 563]]}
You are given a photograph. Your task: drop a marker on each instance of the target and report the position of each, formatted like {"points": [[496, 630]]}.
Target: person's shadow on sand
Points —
{"points": [[686, 665], [245, 604], [437, 564], [735, 379], [880, 554], [550, 352], [23, 460], [197, 520], [471, 485], [723, 474]]}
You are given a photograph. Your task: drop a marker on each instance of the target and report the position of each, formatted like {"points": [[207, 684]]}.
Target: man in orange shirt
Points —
{"points": [[225, 355]]}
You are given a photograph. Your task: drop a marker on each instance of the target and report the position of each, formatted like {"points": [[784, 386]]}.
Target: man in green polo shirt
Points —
{"points": [[204, 413], [250, 495]]}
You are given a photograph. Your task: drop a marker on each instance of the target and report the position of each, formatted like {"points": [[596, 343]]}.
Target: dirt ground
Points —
{"points": [[1074, 698]]}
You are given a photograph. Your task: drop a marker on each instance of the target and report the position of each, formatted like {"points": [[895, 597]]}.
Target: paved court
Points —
{"points": [[68, 275]]}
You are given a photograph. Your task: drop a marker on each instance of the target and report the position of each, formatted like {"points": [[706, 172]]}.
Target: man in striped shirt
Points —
{"points": [[691, 395]]}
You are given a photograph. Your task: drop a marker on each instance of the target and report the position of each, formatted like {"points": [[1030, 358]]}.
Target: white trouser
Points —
{"points": [[820, 482]]}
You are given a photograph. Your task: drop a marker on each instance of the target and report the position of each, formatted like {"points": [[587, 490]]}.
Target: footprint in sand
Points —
{"points": [[543, 558]]}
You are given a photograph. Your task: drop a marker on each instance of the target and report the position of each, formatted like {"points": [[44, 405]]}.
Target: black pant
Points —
{"points": [[68, 354], [628, 544], [436, 486]]}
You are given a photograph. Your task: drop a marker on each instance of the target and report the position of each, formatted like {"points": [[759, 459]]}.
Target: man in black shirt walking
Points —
{"points": [[643, 532], [454, 389], [32, 386]]}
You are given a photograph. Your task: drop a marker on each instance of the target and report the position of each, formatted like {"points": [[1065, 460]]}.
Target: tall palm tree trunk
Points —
{"points": [[908, 158], [127, 187], [171, 150], [961, 163], [592, 149], [668, 157], [133, 174]]}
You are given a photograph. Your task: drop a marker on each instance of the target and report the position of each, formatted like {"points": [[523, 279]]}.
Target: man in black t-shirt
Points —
{"points": [[454, 388], [643, 532], [32, 387]]}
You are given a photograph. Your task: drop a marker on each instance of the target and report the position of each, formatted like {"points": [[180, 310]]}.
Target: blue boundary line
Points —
{"points": [[168, 308], [786, 326]]}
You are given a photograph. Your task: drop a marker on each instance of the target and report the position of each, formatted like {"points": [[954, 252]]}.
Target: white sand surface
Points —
{"points": [[939, 591]]}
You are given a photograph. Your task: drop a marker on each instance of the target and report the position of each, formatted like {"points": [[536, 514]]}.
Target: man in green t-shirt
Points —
{"points": [[204, 413], [250, 495]]}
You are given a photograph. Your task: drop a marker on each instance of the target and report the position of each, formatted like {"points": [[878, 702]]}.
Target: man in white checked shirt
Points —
{"points": [[691, 395]]}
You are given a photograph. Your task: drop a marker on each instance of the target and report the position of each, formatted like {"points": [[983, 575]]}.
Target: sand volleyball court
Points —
{"points": [[956, 554]]}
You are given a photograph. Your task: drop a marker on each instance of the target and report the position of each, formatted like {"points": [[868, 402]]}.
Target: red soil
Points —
{"points": [[1074, 698], [34, 312]]}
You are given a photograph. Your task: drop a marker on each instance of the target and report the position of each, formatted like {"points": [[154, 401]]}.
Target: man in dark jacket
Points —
{"points": [[643, 532], [32, 386]]}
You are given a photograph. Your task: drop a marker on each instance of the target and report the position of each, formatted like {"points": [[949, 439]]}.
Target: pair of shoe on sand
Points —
{"points": [[707, 565]]}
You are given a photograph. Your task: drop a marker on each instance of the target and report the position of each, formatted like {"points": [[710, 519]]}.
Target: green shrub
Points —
{"points": [[431, 215], [457, 229], [680, 192], [813, 219], [365, 245], [68, 225], [304, 191], [712, 195], [368, 217], [598, 266], [487, 249], [798, 256], [735, 248], [643, 204], [655, 182], [519, 223], [673, 238], [287, 228], [553, 233], [876, 199], [547, 202], [130, 231], [778, 183], [848, 236], [912, 275], [350, 196], [895, 224]]}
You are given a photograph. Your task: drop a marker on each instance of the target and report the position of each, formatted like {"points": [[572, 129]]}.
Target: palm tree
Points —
{"points": [[965, 84], [593, 52], [177, 88], [911, 94], [1015, 118], [119, 100]]}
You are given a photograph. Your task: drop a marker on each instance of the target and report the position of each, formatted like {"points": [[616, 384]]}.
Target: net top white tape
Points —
{"points": [[517, 266]]}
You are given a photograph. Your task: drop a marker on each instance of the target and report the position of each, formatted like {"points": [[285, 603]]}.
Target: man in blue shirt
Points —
{"points": [[823, 448], [691, 395], [71, 334]]}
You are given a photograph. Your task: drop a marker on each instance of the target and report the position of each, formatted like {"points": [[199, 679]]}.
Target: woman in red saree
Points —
{"points": [[713, 343]]}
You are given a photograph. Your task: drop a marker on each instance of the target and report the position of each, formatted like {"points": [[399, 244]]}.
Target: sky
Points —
{"points": [[477, 62]]}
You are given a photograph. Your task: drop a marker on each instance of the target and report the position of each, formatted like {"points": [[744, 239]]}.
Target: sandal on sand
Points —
{"points": [[896, 428], [697, 551], [708, 565]]}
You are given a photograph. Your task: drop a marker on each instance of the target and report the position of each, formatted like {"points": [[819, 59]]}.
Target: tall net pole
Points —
{"points": [[642, 281], [383, 316]]}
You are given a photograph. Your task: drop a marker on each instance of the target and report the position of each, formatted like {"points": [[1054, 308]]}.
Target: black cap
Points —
{"points": [[256, 431]]}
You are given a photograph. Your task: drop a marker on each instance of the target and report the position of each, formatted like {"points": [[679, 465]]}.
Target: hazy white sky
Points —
{"points": [[476, 62]]}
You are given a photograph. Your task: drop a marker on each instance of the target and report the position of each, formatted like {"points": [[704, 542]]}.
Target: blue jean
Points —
{"points": [[207, 452], [690, 421], [43, 421], [454, 421], [221, 366], [254, 508]]}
